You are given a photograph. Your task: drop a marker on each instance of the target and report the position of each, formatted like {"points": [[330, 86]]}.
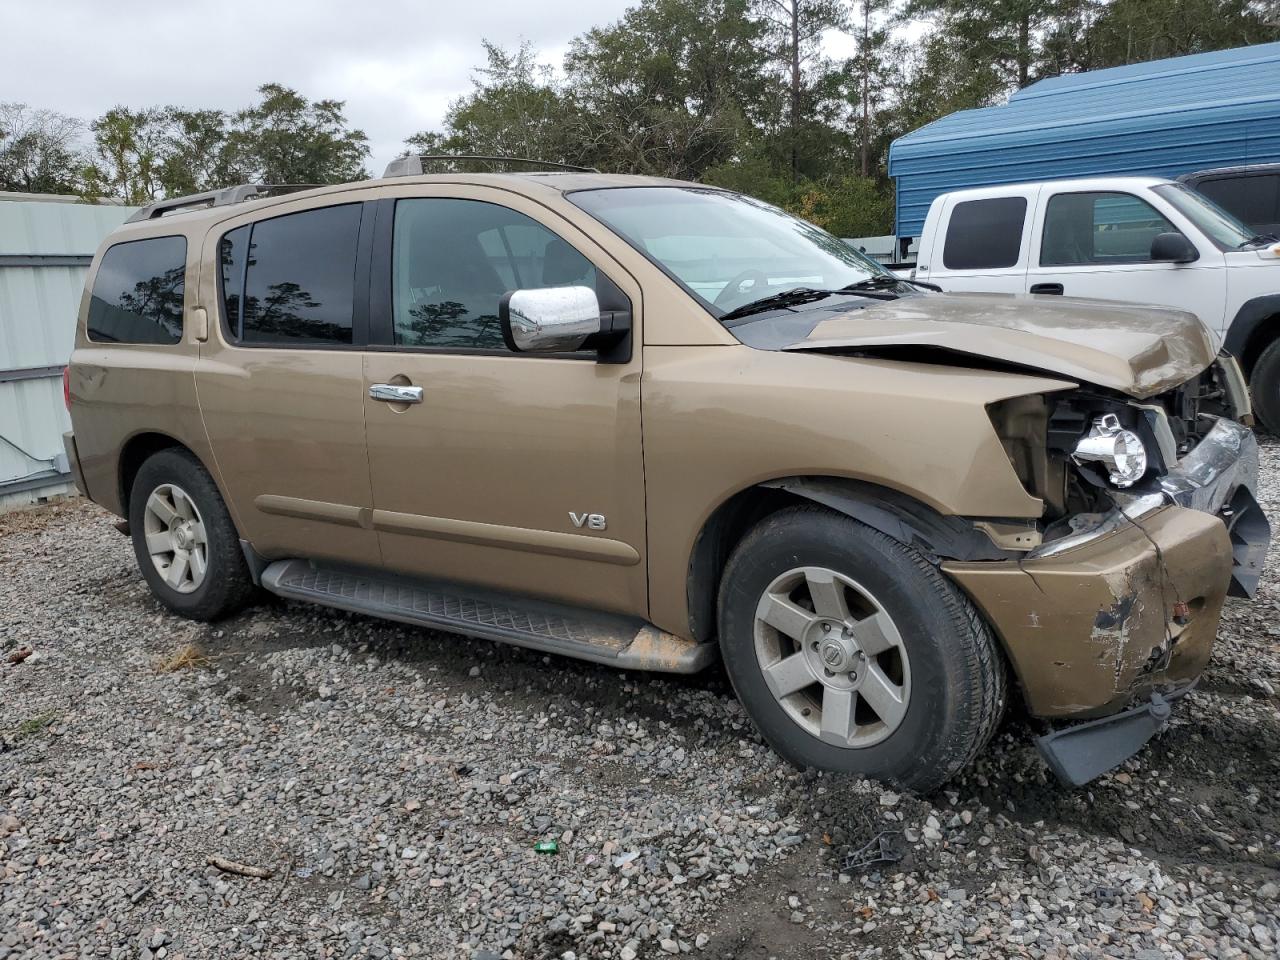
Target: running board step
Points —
{"points": [[611, 639]]}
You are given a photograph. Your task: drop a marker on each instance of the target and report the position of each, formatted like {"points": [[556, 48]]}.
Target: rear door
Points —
{"points": [[1097, 243], [981, 244], [281, 379], [519, 471]]}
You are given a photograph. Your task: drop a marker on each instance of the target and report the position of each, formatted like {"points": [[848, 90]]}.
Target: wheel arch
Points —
{"points": [[1255, 325], [938, 536], [137, 450]]}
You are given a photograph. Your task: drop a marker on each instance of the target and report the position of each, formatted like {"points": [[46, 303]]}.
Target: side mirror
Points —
{"points": [[549, 319], [1173, 248]]}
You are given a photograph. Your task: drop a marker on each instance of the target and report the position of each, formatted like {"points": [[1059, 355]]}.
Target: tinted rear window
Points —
{"points": [[985, 234], [137, 293], [291, 280]]}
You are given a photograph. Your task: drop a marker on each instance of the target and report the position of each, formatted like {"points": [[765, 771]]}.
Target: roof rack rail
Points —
{"points": [[217, 198], [414, 164]]}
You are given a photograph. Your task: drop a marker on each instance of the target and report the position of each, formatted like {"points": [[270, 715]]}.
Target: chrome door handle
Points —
{"points": [[394, 393]]}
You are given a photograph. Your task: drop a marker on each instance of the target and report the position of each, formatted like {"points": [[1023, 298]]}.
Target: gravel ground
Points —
{"points": [[395, 781]]}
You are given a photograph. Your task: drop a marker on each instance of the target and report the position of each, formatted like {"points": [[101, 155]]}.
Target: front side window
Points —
{"points": [[137, 293], [985, 234], [290, 280], [452, 261], [724, 248], [1099, 228]]}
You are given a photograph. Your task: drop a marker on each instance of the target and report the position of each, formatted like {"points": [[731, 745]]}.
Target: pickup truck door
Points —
{"points": [[521, 472], [981, 242], [1097, 244]]}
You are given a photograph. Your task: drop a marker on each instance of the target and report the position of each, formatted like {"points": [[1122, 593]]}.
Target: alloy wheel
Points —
{"points": [[832, 657], [175, 538]]}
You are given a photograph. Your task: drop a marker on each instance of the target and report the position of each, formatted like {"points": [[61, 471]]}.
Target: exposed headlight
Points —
{"points": [[1119, 451]]}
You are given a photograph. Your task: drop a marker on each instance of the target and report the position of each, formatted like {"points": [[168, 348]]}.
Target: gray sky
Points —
{"points": [[397, 63]]}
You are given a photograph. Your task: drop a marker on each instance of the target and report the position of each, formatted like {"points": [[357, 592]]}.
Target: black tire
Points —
{"points": [[1264, 385], [227, 585], [958, 684]]}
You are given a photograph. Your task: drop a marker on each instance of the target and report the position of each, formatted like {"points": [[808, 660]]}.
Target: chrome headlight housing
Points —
{"points": [[1119, 451]]}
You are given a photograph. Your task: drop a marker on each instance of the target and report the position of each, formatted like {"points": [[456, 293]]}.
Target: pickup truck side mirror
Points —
{"points": [[562, 320], [1173, 248]]}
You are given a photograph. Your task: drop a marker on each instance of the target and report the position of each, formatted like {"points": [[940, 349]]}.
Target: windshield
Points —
{"points": [[726, 249], [1222, 228]]}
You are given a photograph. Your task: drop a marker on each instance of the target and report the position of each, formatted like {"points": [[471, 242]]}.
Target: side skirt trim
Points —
{"points": [[611, 639]]}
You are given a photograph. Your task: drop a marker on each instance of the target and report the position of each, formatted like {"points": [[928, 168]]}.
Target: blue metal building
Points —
{"points": [[1162, 118]]}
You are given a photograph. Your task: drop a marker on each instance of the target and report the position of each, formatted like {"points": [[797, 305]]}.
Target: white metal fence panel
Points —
{"points": [[45, 248]]}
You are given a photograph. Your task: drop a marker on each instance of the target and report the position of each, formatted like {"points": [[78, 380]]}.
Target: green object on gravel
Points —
{"points": [[546, 846]]}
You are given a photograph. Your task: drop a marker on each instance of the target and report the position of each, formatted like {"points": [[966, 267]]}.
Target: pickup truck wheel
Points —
{"points": [[186, 544], [852, 652], [1264, 386]]}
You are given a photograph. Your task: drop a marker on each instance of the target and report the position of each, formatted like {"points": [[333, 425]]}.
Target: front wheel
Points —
{"points": [[852, 652], [1264, 386]]}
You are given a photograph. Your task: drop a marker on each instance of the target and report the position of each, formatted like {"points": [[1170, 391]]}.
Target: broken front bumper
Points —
{"points": [[1128, 604], [1130, 613]]}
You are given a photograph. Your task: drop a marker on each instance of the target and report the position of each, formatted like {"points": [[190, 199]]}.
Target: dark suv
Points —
{"points": [[1251, 193]]}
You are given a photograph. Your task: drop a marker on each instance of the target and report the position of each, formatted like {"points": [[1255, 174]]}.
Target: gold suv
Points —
{"points": [[649, 423]]}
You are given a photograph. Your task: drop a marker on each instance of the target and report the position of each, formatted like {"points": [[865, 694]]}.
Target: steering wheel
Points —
{"points": [[730, 292]]}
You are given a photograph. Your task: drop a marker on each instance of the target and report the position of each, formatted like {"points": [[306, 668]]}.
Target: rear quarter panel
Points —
{"points": [[120, 390]]}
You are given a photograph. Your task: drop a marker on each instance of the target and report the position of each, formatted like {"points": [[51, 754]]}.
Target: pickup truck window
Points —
{"points": [[985, 234], [1104, 227], [723, 248], [1226, 232]]}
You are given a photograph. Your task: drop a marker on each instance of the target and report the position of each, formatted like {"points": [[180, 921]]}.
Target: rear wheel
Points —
{"points": [[1264, 386], [185, 542], [852, 652]]}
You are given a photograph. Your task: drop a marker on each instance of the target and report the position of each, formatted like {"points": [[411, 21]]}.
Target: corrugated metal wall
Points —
{"points": [[45, 248], [1162, 118]]}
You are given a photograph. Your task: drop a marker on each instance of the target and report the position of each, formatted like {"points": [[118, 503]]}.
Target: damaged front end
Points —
{"points": [[1111, 610]]}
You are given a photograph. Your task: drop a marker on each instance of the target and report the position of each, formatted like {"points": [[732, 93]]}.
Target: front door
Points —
{"points": [[515, 471], [1098, 244]]}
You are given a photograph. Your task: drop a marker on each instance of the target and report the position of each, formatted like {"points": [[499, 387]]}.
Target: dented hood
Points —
{"points": [[1140, 351]]}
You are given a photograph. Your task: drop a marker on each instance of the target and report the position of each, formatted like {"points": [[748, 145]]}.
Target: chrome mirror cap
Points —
{"points": [[549, 319]]}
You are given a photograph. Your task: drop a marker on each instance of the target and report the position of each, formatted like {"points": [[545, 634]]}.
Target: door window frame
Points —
{"points": [[360, 282], [381, 304]]}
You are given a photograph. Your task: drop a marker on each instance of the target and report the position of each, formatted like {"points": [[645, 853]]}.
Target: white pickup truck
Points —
{"points": [[1138, 239]]}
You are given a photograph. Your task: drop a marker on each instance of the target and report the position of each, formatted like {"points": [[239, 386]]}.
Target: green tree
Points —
{"points": [[793, 38], [867, 72], [1132, 31], [518, 108], [1008, 34], [129, 147], [39, 151], [286, 138], [194, 151], [668, 89], [849, 206]]}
